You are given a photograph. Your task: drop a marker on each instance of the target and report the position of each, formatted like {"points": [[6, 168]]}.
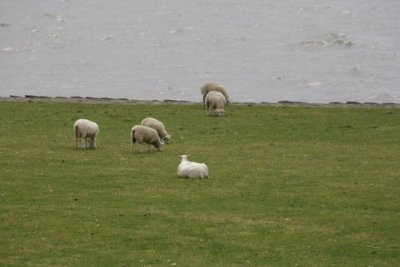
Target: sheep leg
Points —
{"points": [[81, 143], [93, 142], [209, 112], [90, 142]]}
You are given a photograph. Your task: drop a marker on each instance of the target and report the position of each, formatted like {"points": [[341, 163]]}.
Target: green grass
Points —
{"points": [[289, 186]]}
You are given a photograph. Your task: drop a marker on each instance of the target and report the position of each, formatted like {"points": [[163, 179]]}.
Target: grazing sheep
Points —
{"points": [[208, 87], [147, 135], [158, 126], [86, 131], [188, 169], [215, 103]]}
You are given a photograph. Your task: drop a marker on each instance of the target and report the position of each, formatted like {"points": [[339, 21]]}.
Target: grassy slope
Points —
{"points": [[288, 185]]}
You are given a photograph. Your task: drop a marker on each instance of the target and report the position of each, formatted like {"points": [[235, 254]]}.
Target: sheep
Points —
{"points": [[208, 87], [159, 127], [215, 103], [188, 169], [147, 135], [86, 131]]}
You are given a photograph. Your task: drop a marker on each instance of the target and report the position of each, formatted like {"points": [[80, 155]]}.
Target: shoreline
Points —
{"points": [[88, 99]]}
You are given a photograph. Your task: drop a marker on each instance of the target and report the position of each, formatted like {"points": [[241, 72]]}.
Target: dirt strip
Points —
{"points": [[78, 99]]}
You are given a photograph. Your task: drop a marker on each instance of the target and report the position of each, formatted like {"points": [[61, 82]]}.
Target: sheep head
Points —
{"points": [[220, 112], [184, 157], [166, 139]]}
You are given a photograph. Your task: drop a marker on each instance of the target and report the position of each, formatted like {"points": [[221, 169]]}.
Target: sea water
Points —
{"points": [[262, 51]]}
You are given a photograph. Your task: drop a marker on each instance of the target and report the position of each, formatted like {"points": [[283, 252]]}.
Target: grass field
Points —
{"points": [[288, 186]]}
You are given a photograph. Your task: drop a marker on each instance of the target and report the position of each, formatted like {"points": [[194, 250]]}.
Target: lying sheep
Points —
{"points": [[215, 103], [147, 135], [208, 87], [188, 169], [86, 131], [158, 126]]}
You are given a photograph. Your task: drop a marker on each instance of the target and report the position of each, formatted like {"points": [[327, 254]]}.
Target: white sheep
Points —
{"points": [[188, 169], [215, 103], [145, 135], [158, 126], [85, 132], [208, 87]]}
